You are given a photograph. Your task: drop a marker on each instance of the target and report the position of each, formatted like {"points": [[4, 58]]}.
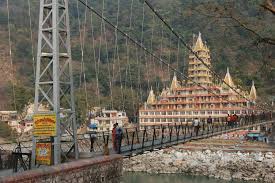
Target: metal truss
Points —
{"points": [[54, 79]]}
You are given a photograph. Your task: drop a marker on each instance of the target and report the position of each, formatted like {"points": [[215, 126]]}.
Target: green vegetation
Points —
{"points": [[6, 132], [233, 30]]}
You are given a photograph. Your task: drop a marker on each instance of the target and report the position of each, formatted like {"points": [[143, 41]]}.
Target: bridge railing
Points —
{"points": [[137, 140]]}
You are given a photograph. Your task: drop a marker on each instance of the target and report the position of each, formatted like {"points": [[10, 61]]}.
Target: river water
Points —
{"points": [[172, 178]]}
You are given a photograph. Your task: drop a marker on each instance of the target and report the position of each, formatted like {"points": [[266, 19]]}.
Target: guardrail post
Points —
{"points": [[143, 138], [171, 130], [178, 131], [128, 142], [154, 134], [137, 136], [162, 135], [132, 145]]}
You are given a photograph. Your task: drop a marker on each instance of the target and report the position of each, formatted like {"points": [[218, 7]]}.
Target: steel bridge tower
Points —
{"points": [[54, 79]]}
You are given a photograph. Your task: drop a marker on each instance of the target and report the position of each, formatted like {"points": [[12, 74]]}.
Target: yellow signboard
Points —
{"points": [[43, 153], [44, 125]]}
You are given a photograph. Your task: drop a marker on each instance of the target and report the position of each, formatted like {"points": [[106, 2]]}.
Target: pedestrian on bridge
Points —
{"points": [[235, 119], [209, 122], [196, 125], [119, 136], [228, 120], [253, 117], [114, 136]]}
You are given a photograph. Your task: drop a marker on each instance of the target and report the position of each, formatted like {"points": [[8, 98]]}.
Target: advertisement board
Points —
{"points": [[43, 153], [44, 125]]}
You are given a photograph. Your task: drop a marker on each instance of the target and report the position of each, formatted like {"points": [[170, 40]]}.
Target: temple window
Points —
{"points": [[175, 113]]}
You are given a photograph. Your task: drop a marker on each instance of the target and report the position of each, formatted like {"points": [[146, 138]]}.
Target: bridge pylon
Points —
{"points": [[54, 79]]}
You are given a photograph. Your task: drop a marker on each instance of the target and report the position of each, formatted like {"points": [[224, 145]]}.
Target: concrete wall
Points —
{"points": [[105, 169]]}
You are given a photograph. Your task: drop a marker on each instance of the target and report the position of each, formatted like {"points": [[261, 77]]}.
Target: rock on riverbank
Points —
{"points": [[223, 165]]}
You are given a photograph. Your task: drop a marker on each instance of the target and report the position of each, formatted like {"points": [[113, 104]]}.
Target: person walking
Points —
{"points": [[114, 137], [235, 119], [119, 136], [209, 122], [196, 125], [228, 120], [253, 117]]}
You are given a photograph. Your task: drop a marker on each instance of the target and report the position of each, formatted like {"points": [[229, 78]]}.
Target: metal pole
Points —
{"points": [[137, 136], [132, 145], [143, 138], [127, 137], [154, 133], [162, 135]]}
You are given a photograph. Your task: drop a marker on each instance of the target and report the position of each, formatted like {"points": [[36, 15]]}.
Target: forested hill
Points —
{"points": [[239, 33]]}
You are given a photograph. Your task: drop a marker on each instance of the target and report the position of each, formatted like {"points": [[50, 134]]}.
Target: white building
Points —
{"points": [[105, 120]]}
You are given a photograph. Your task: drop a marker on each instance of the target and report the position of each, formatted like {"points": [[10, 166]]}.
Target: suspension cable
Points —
{"points": [[99, 50], [82, 46], [117, 55], [169, 55], [130, 74], [131, 14], [178, 55], [109, 65], [95, 61], [31, 37], [152, 58], [135, 42], [144, 53], [11, 60], [161, 45]]}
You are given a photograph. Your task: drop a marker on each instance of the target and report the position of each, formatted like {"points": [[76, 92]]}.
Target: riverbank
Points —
{"points": [[250, 166], [138, 177]]}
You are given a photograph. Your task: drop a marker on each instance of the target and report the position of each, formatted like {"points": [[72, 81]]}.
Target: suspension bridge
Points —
{"points": [[113, 56]]}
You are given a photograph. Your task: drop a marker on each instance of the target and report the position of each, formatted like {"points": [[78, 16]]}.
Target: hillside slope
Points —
{"points": [[231, 45]]}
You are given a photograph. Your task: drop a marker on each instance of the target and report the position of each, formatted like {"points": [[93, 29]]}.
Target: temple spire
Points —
{"points": [[151, 98], [253, 93], [197, 71], [199, 44], [228, 79], [175, 83]]}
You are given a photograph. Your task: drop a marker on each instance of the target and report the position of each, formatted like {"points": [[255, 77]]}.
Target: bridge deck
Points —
{"points": [[163, 142]]}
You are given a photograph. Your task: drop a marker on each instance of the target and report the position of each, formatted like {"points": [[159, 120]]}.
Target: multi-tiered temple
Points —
{"points": [[198, 97]]}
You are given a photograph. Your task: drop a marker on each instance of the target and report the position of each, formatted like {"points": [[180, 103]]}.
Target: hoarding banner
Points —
{"points": [[44, 125], [43, 153]]}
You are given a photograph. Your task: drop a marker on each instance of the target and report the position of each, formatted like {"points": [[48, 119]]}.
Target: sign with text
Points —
{"points": [[44, 125], [43, 153]]}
